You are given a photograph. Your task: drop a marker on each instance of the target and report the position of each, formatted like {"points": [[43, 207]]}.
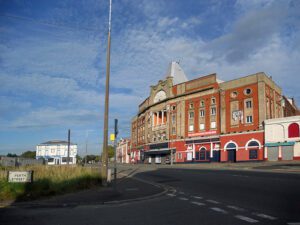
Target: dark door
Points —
{"points": [[216, 156], [231, 155]]}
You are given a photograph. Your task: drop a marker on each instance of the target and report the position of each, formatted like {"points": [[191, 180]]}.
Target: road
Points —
{"points": [[194, 197]]}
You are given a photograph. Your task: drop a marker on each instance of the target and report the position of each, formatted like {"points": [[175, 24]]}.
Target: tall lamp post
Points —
{"points": [[105, 130]]}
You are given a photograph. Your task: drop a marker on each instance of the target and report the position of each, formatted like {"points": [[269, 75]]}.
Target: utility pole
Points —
{"points": [[86, 146], [105, 130], [69, 138], [115, 148]]}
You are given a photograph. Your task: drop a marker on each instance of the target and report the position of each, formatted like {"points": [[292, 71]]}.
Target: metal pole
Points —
{"points": [[105, 130], [115, 155], [86, 146], [69, 137]]}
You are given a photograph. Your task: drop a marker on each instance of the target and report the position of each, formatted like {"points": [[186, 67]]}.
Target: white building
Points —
{"points": [[282, 138], [56, 152], [123, 151]]}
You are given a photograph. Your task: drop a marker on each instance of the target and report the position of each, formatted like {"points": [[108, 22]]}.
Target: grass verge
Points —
{"points": [[48, 180]]}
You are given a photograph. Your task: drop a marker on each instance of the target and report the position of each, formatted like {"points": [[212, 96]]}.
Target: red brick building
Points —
{"points": [[205, 119]]}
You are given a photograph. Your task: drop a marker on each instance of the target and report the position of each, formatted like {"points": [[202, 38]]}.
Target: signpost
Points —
{"points": [[20, 176]]}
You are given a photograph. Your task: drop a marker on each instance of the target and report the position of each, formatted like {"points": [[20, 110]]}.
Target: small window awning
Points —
{"points": [[289, 143], [160, 151]]}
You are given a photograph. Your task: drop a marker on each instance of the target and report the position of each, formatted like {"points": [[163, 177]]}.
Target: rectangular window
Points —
{"points": [[191, 105], [249, 119], [253, 154], [202, 126], [191, 127], [213, 125], [191, 115], [173, 130], [202, 113], [179, 155], [202, 104], [173, 118], [213, 111], [248, 104]]}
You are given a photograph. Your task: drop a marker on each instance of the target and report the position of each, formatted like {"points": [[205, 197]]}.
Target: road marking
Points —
{"points": [[297, 223], [198, 203], [235, 208], [197, 197], [235, 175], [171, 195], [265, 216], [247, 219], [212, 201], [183, 199], [219, 210]]}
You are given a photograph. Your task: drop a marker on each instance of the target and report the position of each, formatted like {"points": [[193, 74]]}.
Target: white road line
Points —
{"points": [[171, 195], [183, 199], [197, 197], [198, 203], [219, 210], [212, 201], [235, 208], [265, 216], [247, 219]]}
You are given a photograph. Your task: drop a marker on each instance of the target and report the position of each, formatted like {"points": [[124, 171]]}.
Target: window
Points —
{"points": [[191, 127], [202, 126], [233, 94], [213, 125], [191, 115], [202, 113], [253, 144], [293, 130], [202, 104], [179, 155], [247, 91], [173, 107], [202, 153], [50, 160], [253, 154], [248, 104], [173, 130], [213, 111], [249, 119], [191, 106], [173, 118], [213, 101]]}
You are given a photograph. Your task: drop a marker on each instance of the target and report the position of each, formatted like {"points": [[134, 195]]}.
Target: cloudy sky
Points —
{"points": [[52, 58]]}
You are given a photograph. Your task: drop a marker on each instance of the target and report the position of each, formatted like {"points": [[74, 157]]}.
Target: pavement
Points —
{"points": [[264, 166]]}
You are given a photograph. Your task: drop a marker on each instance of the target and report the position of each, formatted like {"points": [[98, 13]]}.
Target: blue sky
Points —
{"points": [[52, 58]]}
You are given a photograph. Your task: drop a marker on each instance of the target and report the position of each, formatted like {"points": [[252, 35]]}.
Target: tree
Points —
{"points": [[11, 155], [29, 154], [110, 151]]}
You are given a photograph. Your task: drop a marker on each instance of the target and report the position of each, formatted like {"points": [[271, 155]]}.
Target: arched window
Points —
{"points": [[294, 130], [253, 147], [253, 144], [231, 146], [202, 153]]}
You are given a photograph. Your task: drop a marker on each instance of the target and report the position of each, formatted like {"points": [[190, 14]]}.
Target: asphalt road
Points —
{"points": [[198, 197]]}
